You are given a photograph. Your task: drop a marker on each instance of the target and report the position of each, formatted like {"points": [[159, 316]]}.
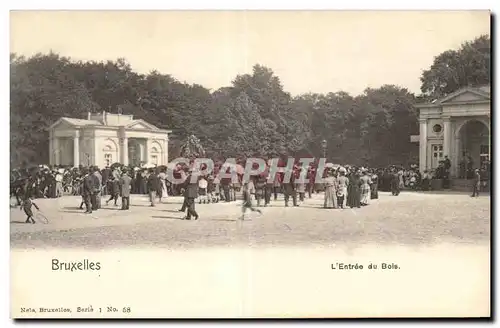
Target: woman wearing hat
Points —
{"points": [[366, 181], [374, 186], [342, 184], [162, 192]]}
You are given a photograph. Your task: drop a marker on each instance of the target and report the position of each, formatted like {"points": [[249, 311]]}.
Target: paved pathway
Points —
{"points": [[409, 219]]}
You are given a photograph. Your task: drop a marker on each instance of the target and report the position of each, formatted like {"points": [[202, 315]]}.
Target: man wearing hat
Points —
{"points": [[96, 182], [290, 190], [476, 183], [190, 194], [153, 185], [395, 182], [125, 182], [87, 190]]}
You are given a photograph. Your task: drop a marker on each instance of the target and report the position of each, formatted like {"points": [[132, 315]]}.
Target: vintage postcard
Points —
{"points": [[250, 164]]}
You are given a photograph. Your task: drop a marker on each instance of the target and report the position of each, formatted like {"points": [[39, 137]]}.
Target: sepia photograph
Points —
{"points": [[250, 164]]}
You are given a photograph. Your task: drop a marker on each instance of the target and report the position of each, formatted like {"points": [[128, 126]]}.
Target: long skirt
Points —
{"points": [[330, 197], [374, 191], [353, 197], [163, 189], [365, 194]]}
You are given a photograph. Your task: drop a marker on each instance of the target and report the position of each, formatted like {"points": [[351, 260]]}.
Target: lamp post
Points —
{"points": [[324, 145]]}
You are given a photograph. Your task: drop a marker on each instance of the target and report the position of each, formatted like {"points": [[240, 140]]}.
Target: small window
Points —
{"points": [[154, 159], [108, 159], [437, 151], [437, 128]]}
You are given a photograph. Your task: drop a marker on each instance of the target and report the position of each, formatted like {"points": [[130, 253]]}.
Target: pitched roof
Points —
{"points": [[141, 122], [484, 88]]}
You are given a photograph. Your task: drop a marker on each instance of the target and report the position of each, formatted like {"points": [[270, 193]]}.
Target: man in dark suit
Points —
{"points": [[87, 191], [476, 186], [225, 183], [290, 190], [106, 173], [125, 183], [184, 176], [153, 186], [268, 190], [190, 195], [98, 187], [395, 182]]}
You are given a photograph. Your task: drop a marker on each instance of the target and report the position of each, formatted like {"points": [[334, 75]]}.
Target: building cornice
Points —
{"points": [[104, 127], [453, 103], [471, 102]]}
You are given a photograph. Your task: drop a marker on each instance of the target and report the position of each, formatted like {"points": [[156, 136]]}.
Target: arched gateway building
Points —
{"points": [[456, 126], [105, 138]]}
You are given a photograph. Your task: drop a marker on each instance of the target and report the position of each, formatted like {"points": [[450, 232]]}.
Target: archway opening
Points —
{"points": [[134, 152], [474, 148]]}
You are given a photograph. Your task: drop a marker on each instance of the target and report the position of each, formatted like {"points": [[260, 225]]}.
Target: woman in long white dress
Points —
{"points": [[366, 181], [330, 190], [163, 185]]}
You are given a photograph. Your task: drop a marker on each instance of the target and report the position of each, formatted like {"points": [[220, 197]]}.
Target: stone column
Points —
{"points": [[97, 151], [124, 150], [122, 135], [51, 148], [165, 151], [148, 150], [447, 137], [76, 148], [489, 137], [456, 157], [423, 145], [57, 151]]}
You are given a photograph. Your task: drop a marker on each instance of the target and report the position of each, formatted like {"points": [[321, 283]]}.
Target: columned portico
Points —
{"points": [[456, 126], [106, 138]]}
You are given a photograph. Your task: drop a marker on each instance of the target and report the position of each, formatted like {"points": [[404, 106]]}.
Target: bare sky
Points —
{"points": [[317, 51]]}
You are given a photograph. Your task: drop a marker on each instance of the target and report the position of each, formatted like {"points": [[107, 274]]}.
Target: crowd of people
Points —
{"points": [[343, 186]]}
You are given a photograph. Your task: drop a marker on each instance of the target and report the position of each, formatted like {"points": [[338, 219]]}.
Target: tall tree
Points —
{"points": [[454, 69], [43, 88]]}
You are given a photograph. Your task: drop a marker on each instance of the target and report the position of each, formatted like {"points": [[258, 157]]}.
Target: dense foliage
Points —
{"points": [[254, 116]]}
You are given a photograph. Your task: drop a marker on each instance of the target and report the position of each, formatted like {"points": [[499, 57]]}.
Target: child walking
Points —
{"points": [[27, 205], [248, 190]]}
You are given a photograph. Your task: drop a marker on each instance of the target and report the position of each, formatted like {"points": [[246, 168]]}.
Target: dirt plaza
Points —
{"points": [[411, 219]]}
